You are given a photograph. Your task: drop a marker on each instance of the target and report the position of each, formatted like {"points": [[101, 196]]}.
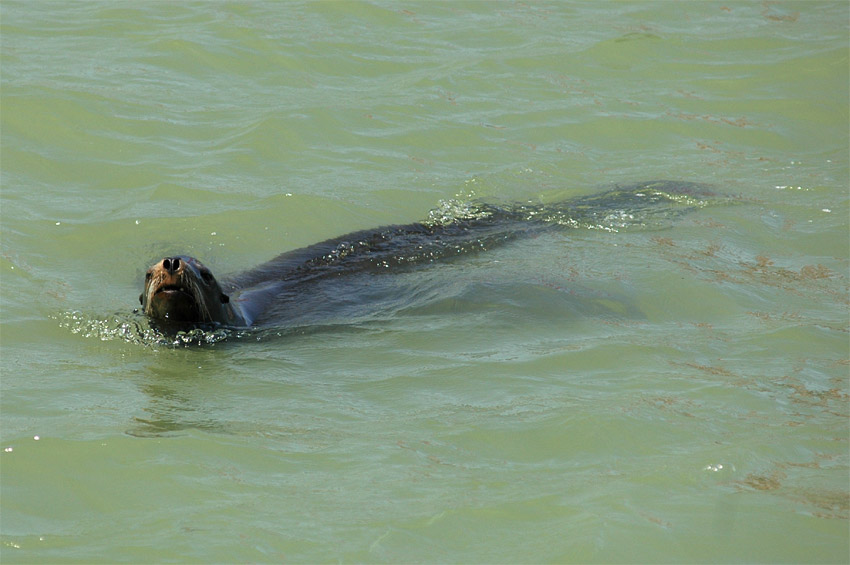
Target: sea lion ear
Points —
{"points": [[224, 298], [140, 298]]}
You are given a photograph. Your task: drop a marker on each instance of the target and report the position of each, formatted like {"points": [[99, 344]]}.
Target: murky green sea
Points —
{"points": [[673, 394]]}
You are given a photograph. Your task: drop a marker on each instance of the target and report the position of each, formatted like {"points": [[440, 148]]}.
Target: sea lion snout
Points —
{"points": [[171, 264], [179, 273]]}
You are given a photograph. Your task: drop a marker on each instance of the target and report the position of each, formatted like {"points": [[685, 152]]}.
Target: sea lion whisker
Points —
{"points": [[152, 286], [196, 293]]}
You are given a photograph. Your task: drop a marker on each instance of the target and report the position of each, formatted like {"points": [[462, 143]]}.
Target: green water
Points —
{"points": [[673, 395]]}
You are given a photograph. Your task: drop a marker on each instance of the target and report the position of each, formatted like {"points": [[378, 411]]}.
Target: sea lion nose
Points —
{"points": [[171, 264]]}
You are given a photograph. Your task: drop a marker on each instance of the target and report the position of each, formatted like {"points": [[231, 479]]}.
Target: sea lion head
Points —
{"points": [[182, 290]]}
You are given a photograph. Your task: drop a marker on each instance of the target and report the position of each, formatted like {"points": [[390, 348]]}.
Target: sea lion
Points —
{"points": [[180, 291]]}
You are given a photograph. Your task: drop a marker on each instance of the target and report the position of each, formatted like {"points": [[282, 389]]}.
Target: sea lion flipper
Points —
{"points": [[250, 303]]}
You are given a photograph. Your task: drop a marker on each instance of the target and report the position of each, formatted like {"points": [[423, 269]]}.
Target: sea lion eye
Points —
{"points": [[207, 276], [148, 276]]}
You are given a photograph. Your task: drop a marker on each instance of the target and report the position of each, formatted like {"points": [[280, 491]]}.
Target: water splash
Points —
{"points": [[453, 210], [648, 205], [136, 329]]}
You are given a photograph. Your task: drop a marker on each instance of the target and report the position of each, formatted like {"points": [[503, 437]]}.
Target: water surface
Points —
{"points": [[650, 395]]}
